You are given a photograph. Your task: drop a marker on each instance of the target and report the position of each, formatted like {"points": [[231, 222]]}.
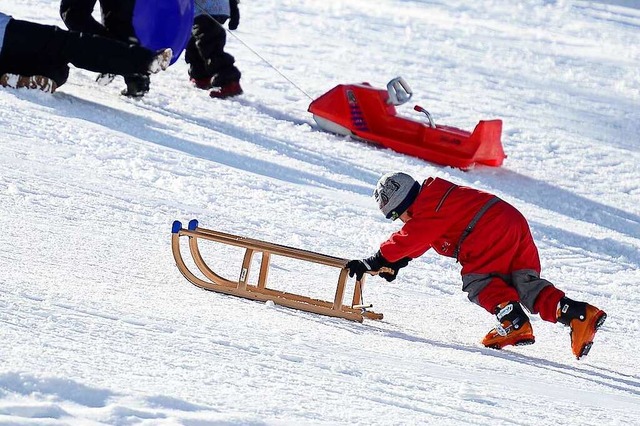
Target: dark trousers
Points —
{"points": [[205, 51], [35, 49], [117, 16]]}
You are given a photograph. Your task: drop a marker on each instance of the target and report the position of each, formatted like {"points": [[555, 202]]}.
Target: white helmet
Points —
{"points": [[394, 193]]}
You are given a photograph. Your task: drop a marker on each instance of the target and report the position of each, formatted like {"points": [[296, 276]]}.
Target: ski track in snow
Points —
{"points": [[99, 327]]}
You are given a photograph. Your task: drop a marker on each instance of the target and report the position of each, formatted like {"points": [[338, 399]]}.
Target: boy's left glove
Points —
{"points": [[234, 17]]}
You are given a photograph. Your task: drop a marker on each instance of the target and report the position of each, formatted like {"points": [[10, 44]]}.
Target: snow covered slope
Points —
{"points": [[97, 326]]}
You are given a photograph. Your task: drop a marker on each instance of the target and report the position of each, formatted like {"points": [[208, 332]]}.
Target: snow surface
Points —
{"points": [[97, 325]]}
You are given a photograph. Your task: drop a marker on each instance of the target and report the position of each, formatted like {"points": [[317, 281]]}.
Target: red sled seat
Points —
{"points": [[369, 114]]}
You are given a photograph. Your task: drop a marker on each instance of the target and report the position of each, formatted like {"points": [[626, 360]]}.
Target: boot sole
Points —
{"points": [[523, 342], [224, 96], [584, 351]]}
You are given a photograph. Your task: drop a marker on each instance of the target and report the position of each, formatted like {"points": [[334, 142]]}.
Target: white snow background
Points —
{"points": [[97, 325]]}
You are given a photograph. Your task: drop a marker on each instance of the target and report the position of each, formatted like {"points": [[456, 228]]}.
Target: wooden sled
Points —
{"points": [[241, 288]]}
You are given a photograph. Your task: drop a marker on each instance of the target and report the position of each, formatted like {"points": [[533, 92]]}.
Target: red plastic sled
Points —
{"points": [[367, 113]]}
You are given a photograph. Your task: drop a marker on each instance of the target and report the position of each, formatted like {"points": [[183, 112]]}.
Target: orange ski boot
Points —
{"points": [[514, 328], [584, 321]]}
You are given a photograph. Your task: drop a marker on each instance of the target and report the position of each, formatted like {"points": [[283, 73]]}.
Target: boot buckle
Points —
{"points": [[503, 331]]}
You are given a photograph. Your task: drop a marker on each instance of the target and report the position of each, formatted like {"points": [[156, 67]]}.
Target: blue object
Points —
{"points": [[4, 20], [193, 224], [164, 23], [176, 227]]}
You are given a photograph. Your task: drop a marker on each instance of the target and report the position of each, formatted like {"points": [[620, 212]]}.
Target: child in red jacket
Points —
{"points": [[492, 241]]}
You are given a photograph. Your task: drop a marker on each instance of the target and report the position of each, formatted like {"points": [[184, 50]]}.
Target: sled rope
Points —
{"points": [[253, 51]]}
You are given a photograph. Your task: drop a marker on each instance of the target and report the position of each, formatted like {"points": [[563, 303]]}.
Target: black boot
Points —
{"points": [[137, 85]]}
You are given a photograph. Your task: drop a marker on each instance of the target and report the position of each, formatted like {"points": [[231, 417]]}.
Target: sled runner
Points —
{"points": [[241, 288], [369, 114]]}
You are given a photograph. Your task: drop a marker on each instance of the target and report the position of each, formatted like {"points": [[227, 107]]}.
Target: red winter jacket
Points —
{"points": [[440, 214]]}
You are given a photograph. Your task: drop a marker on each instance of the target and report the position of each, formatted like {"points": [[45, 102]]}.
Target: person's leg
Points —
{"points": [[77, 16], [210, 39], [538, 295], [511, 255], [27, 51], [198, 72], [486, 259], [105, 55], [498, 297], [117, 17], [488, 290], [44, 49]]}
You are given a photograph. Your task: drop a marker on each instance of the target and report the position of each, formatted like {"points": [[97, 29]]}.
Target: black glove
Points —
{"points": [[357, 268], [360, 267], [234, 18], [396, 266]]}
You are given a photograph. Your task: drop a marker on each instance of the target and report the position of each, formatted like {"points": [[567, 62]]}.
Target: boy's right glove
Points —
{"points": [[234, 18], [395, 266]]}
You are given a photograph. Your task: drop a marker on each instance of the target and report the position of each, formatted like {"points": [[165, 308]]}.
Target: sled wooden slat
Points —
{"points": [[241, 288], [269, 247], [337, 300], [246, 266], [264, 270], [356, 294]]}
